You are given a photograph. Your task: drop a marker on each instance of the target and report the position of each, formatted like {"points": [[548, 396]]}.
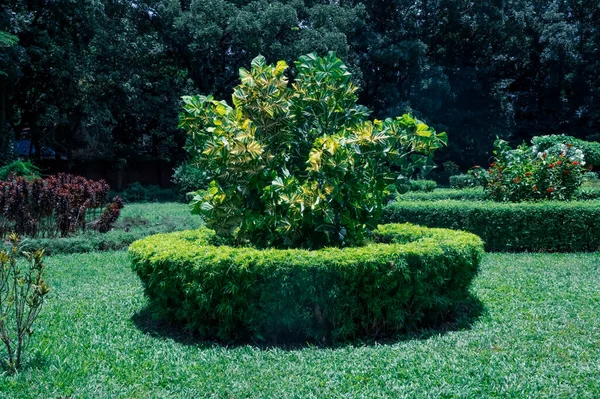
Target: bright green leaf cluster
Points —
{"points": [[295, 162]]}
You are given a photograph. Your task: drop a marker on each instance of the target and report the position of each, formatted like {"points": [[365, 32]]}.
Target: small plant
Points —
{"points": [[22, 294], [590, 176], [423, 185], [188, 178], [109, 216], [528, 174], [138, 192], [463, 181], [20, 169]]}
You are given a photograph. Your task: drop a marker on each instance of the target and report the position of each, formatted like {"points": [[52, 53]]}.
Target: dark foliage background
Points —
{"points": [[102, 79]]}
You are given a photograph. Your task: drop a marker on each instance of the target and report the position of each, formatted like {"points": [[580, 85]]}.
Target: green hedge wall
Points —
{"points": [[409, 275], [440, 194], [586, 192], [551, 226]]}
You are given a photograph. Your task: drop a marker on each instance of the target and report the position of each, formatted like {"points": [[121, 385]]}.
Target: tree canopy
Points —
{"points": [[103, 78]]}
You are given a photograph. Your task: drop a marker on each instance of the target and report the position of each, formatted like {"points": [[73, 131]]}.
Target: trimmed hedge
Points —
{"points": [[410, 275], [550, 226], [586, 192], [440, 194]]}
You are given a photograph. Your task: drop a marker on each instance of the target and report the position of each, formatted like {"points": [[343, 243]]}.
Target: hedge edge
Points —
{"points": [[331, 295], [512, 227]]}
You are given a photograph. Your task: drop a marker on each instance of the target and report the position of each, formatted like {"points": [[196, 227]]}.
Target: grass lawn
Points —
{"points": [[538, 336]]}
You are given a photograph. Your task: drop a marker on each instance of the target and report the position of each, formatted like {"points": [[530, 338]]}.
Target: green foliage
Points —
{"points": [[527, 174], [297, 164], [462, 181], [22, 294], [545, 226], [20, 168], [585, 192], [138, 192], [423, 185], [187, 179], [138, 220], [113, 71], [590, 176], [328, 295], [590, 149], [440, 194], [588, 192]]}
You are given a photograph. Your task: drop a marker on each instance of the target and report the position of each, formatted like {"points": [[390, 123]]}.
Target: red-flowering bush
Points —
{"points": [[525, 173], [57, 205]]}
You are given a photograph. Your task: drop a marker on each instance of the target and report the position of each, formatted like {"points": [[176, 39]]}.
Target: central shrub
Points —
{"points": [[299, 178], [295, 162]]}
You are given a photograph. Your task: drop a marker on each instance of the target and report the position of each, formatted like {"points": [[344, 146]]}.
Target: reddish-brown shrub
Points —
{"points": [[57, 205]]}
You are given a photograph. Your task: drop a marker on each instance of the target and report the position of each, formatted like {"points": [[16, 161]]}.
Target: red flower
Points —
{"points": [[569, 145], [550, 189], [559, 162], [493, 164], [575, 163], [544, 155], [551, 165], [518, 179], [528, 174]]}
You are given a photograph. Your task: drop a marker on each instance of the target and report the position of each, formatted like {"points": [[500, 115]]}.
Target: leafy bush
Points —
{"points": [[297, 163], [423, 185], [549, 226], [327, 295], [527, 174], [22, 293], [462, 181], [19, 168], [137, 192], [442, 175], [590, 149], [57, 205], [590, 176], [188, 178], [588, 192]]}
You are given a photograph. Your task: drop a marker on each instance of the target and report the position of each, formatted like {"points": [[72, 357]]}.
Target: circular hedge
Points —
{"points": [[408, 274]]}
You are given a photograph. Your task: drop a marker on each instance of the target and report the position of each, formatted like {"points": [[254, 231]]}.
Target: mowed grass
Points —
{"points": [[538, 337]]}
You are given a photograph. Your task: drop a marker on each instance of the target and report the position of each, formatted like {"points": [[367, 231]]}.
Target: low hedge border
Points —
{"points": [[551, 226], [585, 193], [411, 274], [440, 194]]}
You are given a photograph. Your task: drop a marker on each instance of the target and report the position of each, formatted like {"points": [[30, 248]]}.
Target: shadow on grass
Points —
{"points": [[461, 317]]}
